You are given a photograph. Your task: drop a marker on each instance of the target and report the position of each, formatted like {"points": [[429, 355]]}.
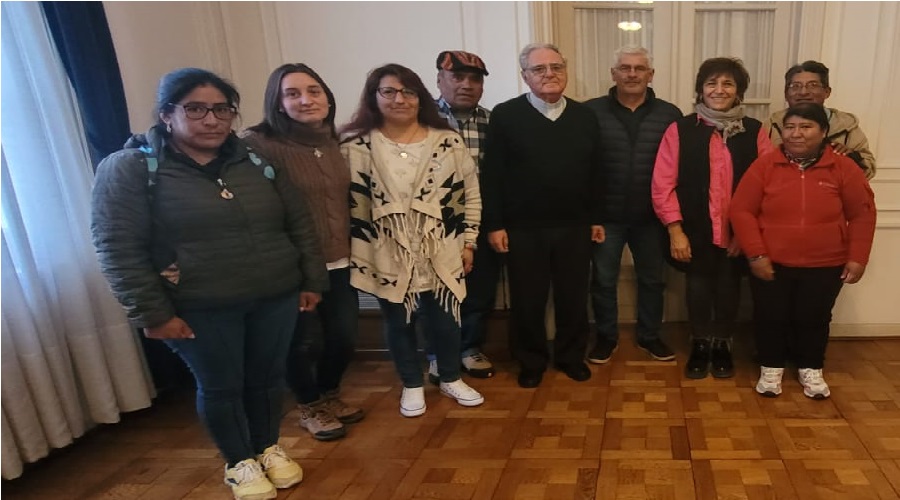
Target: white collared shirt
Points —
{"points": [[551, 110]]}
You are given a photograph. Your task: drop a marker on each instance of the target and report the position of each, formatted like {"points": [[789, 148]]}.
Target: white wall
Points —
{"points": [[859, 41], [342, 41]]}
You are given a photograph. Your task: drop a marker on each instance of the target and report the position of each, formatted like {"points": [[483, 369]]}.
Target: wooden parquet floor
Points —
{"points": [[636, 430]]}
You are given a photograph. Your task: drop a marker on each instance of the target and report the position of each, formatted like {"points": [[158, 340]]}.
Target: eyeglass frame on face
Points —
{"points": [[390, 93], [625, 68], [216, 109], [810, 86], [543, 69]]}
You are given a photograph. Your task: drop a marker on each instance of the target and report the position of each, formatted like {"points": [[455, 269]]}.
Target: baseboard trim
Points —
{"points": [[867, 330]]}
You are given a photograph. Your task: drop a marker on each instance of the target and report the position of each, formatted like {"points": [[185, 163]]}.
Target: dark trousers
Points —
{"points": [[324, 341], [537, 258], [441, 333], [713, 282], [792, 314], [481, 295], [645, 242], [238, 360]]}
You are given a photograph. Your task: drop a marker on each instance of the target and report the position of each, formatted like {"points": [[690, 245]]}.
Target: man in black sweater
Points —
{"points": [[541, 207], [632, 123]]}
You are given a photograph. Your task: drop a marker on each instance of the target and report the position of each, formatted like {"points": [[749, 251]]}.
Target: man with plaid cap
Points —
{"points": [[460, 80]]}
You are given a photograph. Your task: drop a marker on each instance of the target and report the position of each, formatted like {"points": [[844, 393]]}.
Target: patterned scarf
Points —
{"points": [[728, 122], [807, 161]]}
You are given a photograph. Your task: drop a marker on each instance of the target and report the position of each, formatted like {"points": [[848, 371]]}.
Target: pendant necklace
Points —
{"points": [[225, 193], [403, 154], [318, 153]]}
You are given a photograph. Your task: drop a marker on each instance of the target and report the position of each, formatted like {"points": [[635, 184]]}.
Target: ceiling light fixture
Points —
{"points": [[629, 26]]}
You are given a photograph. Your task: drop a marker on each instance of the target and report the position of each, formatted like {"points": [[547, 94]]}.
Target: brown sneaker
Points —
{"points": [[345, 413], [320, 422]]}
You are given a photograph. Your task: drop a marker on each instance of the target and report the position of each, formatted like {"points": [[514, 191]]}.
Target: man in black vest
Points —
{"points": [[632, 124], [541, 209]]}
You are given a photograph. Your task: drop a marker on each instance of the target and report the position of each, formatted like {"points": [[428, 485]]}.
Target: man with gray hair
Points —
{"points": [[632, 123], [541, 208]]}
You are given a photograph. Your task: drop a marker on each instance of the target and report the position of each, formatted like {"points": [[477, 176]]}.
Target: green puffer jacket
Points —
{"points": [[182, 245]]}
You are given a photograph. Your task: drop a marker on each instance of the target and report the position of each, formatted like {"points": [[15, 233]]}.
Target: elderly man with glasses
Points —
{"points": [[808, 82], [541, 207]]}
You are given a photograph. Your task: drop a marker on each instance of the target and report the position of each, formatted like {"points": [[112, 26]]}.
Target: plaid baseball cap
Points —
{"points": [[458, 60]]}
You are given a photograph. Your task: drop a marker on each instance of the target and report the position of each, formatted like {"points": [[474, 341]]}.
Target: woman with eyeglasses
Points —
{"points": [[698, 165], [298, 134], [212, 250], [415, 209]]}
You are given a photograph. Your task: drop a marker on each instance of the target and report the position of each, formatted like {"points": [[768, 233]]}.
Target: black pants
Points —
{"points": [[713, 292], [537, 258], [792, 314]]}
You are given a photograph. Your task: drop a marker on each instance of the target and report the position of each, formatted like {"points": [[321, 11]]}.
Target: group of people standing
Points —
{"points": [[244, 252]]}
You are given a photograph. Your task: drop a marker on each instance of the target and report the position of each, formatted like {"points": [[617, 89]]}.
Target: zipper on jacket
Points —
{"points": [[803, 203]]}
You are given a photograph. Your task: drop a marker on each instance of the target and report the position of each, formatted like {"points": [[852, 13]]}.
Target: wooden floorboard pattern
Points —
{"points": [[636, 430]]}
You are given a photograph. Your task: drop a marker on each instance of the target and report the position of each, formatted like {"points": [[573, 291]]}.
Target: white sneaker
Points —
{"points": [[248, 481], [813, 383], [282, 471], [769, 383], [462, 393], [478, 365], [412, 401], [433, 376]]}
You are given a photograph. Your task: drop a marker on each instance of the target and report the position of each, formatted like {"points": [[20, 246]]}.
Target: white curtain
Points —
{"points": [[69, 358], [597, 36]]}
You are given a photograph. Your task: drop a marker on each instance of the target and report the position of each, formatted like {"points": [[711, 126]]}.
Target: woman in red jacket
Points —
{"points": [[805, 218]]}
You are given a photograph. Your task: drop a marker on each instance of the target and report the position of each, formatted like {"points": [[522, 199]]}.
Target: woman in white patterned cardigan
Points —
{"points": [[415, 209]]}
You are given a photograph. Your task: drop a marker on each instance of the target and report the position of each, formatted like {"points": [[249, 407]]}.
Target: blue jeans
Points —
{"points": [[441, 332], [646, 244], [238, 358], [324, 341]]}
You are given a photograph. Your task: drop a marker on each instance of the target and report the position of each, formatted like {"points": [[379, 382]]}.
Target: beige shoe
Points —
{"points": [[282, 471], [320, 422], [248, 481], [342, 411]]}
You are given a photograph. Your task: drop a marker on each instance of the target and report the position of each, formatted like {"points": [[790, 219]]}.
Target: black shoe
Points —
{"points": [[698, 364], [530, 378], [602, 351], [657, 350], [722, 364], [575, 371]]}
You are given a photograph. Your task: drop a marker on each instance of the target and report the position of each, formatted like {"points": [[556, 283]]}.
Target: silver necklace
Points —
{"points": [[318, 153]]}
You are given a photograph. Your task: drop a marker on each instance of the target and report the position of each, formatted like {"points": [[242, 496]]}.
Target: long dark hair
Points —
{"points": [[275, 122], [368, 117], [175, 85]]}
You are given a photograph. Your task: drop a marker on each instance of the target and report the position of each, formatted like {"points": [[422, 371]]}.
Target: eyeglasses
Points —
{"points": [[628, 69], [809, 86], [546, 68], [390, 93], [198, 111]]}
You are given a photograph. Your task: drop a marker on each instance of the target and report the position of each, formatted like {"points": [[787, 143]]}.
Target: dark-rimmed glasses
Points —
{"points": [[196, 111], [809, 86], [390, 93]]}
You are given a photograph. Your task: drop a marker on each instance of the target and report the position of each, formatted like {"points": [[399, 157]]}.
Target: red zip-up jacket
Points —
{"points": [[823, 216]]}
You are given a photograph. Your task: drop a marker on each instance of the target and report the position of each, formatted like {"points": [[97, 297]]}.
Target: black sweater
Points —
{"points": [[537, 172], [628, 143]]}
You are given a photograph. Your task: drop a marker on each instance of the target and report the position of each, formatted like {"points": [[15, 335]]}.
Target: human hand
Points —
{"points": [[499, 240], [679, 245], [468, 258], [174, 328], [762, 269], [841, 148], [853, 272], [598, 234], [309, 300]]}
